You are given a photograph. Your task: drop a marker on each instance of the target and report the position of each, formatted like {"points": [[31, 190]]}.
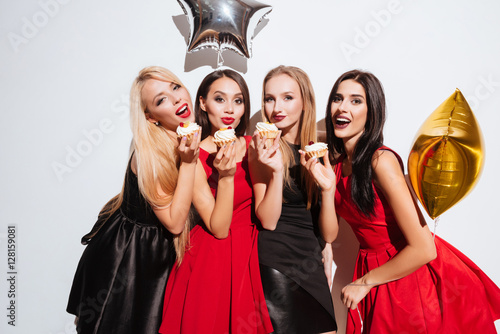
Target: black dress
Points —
{"points": [[121, 277], [292, 273]]}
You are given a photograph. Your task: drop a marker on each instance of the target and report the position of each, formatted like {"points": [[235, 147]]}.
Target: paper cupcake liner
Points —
{"points": [[317, 154], [268, 134], [221, 143], [188, 136]]}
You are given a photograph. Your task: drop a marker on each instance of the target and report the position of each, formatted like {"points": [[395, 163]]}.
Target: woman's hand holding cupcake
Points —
{"points": [[189, 135], [265, 154], [267, 131], [322, 174], [225, 160]]}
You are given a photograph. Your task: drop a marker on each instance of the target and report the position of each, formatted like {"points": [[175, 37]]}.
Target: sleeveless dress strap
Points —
{"points": [[248, 139]]}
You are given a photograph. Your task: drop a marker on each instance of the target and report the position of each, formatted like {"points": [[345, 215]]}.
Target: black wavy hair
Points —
{"points": [[372, 138]]}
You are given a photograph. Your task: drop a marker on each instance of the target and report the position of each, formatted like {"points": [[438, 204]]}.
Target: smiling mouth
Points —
{"points": [[341, 122], [183, 111], [227, 120]]}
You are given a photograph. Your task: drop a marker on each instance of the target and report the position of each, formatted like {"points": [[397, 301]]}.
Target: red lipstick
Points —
{"points": [[227, 120]]}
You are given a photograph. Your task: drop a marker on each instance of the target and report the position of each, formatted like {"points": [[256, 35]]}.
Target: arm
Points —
{"points": [[266, 170], [326, 180], [327, 258], [217, 213], [420, 247], [174, 216]]}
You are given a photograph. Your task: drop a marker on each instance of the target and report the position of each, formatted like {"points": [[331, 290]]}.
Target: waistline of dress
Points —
{"points": [[397, 246]]}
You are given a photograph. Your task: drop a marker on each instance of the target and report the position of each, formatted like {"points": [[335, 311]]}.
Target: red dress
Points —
{"points": [[217, 288], [448, 295]]}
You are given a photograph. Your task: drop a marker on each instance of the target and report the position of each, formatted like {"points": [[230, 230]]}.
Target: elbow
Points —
{"points": [[269, 226], [219, 232], [266, 221], [329, 235], [429, 253], [329, 239], [220, 235], [432, 253], [175, 230]]}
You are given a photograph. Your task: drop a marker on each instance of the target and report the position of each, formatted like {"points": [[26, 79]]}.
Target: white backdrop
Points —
{"points": [[66, 68]]}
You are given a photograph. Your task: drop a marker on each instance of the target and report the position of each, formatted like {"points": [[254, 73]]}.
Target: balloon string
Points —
{"points": [[220, 59], [360, 319], [436, 221]]}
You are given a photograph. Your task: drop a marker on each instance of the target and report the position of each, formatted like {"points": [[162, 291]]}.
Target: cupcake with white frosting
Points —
{"points": [[187, 129], [317, 150], [268, 130], [224, 136]]}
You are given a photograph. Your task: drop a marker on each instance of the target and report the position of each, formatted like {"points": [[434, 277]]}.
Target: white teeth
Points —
{"points": [[182, 110], [343, 120]]}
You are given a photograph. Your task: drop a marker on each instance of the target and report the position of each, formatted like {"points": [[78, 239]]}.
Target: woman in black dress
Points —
{"points": [[286, 202], [120, 280]]}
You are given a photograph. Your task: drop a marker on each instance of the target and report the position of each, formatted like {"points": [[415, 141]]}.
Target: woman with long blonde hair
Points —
{"points": [[120, 279], [294, 278]]}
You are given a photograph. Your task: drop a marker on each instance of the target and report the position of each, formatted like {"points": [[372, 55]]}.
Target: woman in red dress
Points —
{"points": [[405, 281], [217, 288]]}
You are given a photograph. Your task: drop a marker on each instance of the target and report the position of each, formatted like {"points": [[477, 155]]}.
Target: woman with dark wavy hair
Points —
{"points": [[405, 280]]}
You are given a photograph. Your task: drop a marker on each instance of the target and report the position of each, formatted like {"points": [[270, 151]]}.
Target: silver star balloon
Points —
{"points": [[223, 24]]}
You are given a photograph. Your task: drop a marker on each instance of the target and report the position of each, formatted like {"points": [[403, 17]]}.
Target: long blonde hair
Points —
{"points": [[307, 126], [156, 155]]}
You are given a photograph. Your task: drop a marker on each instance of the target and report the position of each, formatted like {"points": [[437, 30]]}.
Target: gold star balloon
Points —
{"points": [[447, 156], [223, 24]]}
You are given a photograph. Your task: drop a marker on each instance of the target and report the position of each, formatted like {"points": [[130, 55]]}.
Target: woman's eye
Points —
{"points": [[238, 101], [160, 101], [219, 99], [176, 87], [268, 99], [356, 101], [288, 98], [337, 99]]}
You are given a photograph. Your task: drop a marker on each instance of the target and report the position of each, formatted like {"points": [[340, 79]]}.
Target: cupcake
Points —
{"points": [[269, 130], [224, 136], [317, 150], [187, 129]]}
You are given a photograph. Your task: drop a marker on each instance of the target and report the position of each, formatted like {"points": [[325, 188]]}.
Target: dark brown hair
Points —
{"points": [[371, 139], [202, 116]]}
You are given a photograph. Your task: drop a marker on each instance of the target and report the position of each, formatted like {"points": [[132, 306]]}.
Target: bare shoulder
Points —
{"points": [[386, 165], [133, 164], [206, 145]]}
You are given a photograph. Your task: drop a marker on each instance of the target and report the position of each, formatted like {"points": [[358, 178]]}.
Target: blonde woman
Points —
{"points": [[120, 279], [295, 285]]}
